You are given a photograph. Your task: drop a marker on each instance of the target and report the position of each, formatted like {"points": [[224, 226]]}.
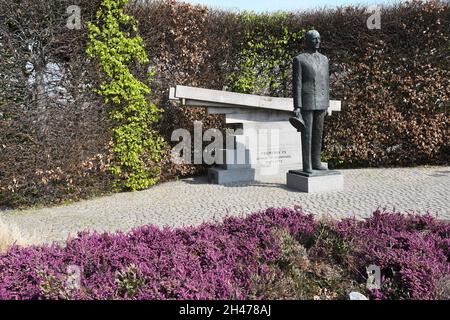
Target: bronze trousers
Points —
{"points": [[312, 138]]}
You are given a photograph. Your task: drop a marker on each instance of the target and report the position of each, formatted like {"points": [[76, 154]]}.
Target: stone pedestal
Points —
{"points": [[274, 145], [318, 181], [263, 149], [233, 170], [225, 176]]}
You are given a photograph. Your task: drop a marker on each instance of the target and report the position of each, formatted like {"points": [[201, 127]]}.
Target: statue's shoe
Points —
{"points": [[297, 123], [307, 170], [320, 167]]}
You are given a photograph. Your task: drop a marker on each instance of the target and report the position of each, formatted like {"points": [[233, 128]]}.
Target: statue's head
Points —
{"points": [[312, 40]]}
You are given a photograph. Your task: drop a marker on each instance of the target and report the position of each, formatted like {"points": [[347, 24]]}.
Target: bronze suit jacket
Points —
{"points": [[311, 81]]}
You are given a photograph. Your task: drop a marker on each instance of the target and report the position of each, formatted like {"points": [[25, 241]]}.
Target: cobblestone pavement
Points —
{"points": [[192, 201]]}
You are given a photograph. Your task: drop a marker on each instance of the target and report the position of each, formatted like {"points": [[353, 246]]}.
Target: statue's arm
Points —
{"points": [[297, 83]]}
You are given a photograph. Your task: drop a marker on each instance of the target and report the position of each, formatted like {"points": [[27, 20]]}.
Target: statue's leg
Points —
{"points": [[306, 140], [316, 141]]}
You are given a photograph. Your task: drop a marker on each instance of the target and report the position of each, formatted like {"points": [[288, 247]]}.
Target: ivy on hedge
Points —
{"points": [[265, 59], [136, 146]]}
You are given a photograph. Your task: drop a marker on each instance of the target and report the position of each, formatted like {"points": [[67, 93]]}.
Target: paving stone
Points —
{"points": [[193, 201]]}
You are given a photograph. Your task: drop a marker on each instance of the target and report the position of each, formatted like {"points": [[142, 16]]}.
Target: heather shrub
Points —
{"points": [[297, 275], [327, 244], [272, 254], [212, 261], [129, 281], [411, 250]]}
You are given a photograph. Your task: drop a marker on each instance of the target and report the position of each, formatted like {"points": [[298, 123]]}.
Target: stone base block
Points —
{"points": [[232, 161], [318, 181], [224, 176], [269, 173]]}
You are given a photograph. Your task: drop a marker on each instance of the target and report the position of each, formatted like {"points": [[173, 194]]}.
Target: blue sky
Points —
{"points": [[286, 5]]}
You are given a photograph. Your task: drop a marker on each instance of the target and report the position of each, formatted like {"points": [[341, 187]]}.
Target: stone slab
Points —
{"points": [[263, 174], [316, 173], [269, 173], [232, 161], [271, 144], [218, 98], [233, 98], [257, 116], [324, 181], [226, 176]]}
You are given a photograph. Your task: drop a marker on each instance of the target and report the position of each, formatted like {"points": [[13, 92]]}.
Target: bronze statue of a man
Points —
{"points": [[311, 100]]}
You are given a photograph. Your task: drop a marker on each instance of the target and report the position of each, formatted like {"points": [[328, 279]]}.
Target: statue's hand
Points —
{"points": [[297, 113]]}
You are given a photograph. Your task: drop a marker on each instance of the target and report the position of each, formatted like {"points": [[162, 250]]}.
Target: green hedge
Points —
{"points": [[135, 142]]}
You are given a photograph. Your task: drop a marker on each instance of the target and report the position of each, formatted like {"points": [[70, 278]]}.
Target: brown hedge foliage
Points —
{"points": [[53, 130], [394, 84], [187, 45]]}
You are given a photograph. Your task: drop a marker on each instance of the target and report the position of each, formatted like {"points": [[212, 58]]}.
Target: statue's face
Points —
{"points": [[313, 41]]}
